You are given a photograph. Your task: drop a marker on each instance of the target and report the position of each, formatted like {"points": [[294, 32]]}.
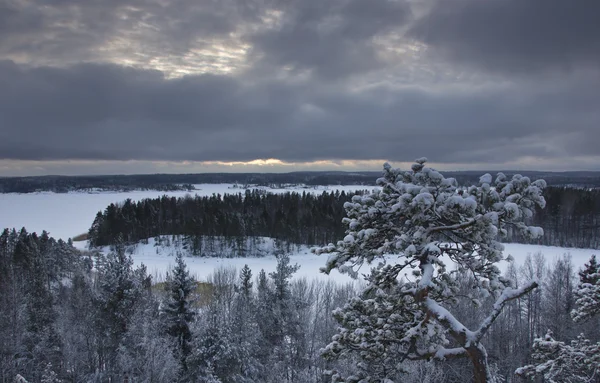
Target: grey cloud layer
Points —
{"points": [[299, 93], [329, 37], [514, 35], [110, 112], [332, 38]]}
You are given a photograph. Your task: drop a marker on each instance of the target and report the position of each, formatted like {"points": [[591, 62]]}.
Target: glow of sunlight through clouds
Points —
{"points": [[200, 85]]}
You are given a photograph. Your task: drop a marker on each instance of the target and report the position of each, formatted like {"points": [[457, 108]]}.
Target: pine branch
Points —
{"points": [[507, 295]]}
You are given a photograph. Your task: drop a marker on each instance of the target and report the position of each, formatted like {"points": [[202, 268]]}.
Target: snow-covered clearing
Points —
{"points": [[65, 215], [160, 259], [69, 214]]}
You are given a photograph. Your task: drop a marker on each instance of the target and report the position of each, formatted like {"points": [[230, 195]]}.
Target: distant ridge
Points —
{"points": [[166, 182]]}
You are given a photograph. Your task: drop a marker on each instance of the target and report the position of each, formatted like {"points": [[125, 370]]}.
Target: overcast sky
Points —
{"points": [[146, 86]]}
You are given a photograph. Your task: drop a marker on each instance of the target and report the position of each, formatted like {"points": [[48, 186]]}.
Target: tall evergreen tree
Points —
{"points": [[591, 271], [244, 328], [42, 341], [588, 294], [559, 362], [180, 286], [120, 288]]}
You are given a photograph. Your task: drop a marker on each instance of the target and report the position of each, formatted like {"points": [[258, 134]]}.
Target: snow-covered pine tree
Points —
{"points": [[180, 286], [588, 292], [245, 330], [579, 361], [42, 342], [120, 288], [427, 221], [587, 297], [590, 271], [558, 362], [245, 288]]}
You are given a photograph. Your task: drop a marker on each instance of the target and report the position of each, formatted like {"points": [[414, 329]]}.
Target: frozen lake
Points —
{"points": [[65, 215]]}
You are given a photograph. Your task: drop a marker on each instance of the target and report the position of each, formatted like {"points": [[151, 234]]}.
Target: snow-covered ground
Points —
{"points": [[159, 259], [65, 215]]}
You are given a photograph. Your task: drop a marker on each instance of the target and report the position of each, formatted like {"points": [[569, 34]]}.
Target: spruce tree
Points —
{"points": [[180, 286], [42, 341], [245, 288], [120, 290], [555, 361], [591, 271], [245, 330], [588, 293]]}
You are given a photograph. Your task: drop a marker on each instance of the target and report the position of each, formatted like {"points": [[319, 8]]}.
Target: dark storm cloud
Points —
{"points": [[306, 87], [514, 35], [331, 38], [109, 112]]}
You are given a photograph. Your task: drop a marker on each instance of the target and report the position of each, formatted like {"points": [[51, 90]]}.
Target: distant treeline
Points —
{"points": [[64, 184], [290, 217], [571, 219], [168, 182]]}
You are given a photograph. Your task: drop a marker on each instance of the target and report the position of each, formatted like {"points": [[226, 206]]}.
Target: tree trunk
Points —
{"points": [[481, 371]]}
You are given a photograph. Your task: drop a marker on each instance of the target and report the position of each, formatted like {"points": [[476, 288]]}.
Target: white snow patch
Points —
{"points": [[202, 267], [310, 263]]}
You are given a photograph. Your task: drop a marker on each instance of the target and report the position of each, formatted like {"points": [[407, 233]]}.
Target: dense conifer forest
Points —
{"points": [[291, 217], [571, 219], [62, 321]]}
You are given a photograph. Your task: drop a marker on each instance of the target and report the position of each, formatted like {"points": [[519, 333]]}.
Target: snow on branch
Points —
{"points": [[426, 219], [443, 316], [558, 362], [588, 300], [507, 295]]}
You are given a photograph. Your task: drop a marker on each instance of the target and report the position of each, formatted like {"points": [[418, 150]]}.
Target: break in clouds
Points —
{"points": [[461, 81]]}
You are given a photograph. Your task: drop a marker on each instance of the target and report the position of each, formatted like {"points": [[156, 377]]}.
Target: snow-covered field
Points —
{"points": [[65, 215], [158, 260]]}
